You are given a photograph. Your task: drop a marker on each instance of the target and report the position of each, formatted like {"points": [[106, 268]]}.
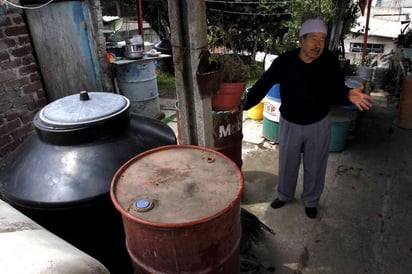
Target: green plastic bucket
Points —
{"points": [[270, 130], [339, 136], [341, 121]]}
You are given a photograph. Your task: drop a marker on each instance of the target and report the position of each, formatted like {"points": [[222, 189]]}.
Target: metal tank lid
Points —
{"points": [[177, 184], [86, 108], [81, 118]]}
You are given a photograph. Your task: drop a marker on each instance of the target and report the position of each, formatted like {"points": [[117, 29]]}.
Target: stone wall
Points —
{"points": [[21, 89]]}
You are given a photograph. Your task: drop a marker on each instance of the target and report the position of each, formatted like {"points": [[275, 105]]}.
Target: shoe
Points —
{"points": [[277, 203], [311, 212]]}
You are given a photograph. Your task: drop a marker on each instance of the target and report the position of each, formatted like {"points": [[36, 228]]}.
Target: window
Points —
{"points": [[374, 48]]}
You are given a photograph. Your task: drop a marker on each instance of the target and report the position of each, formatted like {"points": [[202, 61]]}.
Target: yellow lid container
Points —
{"points": [[256, 112]]}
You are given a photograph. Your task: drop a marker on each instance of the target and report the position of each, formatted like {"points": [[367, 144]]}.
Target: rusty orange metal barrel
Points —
{"points": [[228, 134], [180, 206]]}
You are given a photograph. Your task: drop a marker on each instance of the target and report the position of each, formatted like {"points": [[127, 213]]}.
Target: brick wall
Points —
{"points": [[21, 89]]}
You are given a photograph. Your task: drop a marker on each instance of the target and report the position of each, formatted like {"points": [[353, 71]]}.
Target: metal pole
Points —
{"points": [[365, 36], [140, 19]]}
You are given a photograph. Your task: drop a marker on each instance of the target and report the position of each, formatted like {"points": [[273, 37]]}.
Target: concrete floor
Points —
{"points": [[364, 223]]}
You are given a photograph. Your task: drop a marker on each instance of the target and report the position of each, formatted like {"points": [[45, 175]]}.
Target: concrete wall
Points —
{"points": [[21, 90]]}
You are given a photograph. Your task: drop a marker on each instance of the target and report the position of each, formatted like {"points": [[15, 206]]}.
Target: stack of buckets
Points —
{"points": [[341, 120], [271, 114]]}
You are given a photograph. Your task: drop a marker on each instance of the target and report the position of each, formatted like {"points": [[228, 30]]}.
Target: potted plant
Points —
{"points": [[235, 75], [209, 74]]}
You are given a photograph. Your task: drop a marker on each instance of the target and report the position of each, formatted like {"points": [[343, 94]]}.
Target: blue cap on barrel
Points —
{"points": [[143, 205]]}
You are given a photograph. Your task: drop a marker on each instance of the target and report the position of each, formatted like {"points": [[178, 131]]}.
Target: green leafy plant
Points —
{"points": [[234, 69], [208, 74]]}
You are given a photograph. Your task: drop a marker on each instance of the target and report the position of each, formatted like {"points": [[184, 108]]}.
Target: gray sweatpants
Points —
{"points": [[313, 142]]}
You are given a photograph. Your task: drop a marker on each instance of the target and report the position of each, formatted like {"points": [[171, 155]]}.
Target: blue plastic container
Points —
{"points": [[340, 132], [274, 92]]}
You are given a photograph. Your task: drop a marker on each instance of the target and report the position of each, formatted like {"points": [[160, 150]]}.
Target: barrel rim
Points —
{"points": [[133, 218]]}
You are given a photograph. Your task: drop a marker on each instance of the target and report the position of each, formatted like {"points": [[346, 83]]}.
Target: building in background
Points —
{"points": [[387, 20]]}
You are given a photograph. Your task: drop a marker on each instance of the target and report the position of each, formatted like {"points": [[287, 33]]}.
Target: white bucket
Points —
{"points": [[272, 104], [271, 109], [271, 114]]}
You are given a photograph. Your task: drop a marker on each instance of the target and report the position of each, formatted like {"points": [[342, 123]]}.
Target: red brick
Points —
{"points": [[24, 40], [18, 20], [12, 125], [10, 42], [4, 151], [34, 77], [28, 59], [41, 103], [5, 140], [12, 114], [28, 116], [22, 51], [36, 105], [15, 31], [22, 132], [32, 88], [41, 94], [28, 69]]}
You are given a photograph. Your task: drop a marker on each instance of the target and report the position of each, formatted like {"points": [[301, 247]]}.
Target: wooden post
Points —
{"points": [[189, 37]]}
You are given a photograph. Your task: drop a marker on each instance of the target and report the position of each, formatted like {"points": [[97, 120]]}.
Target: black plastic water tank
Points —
{"points": [[60, 177]]}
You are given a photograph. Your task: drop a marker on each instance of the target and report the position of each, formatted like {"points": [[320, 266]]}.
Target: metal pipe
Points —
{"points": [[140, 20], [365, 35]]}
